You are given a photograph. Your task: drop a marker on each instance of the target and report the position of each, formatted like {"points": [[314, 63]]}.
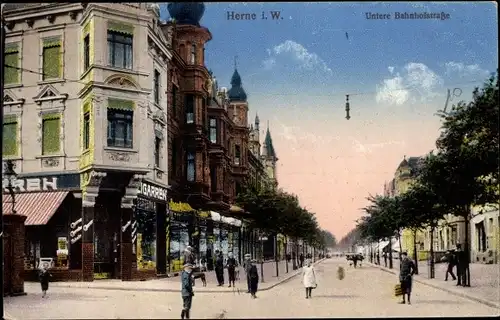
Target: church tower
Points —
{"points": [[269, 158], [238, 100], [254, 140]]}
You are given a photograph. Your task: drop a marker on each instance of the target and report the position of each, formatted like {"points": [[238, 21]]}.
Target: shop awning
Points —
{"points": [[395, 245], [215, 216], [38, 207], [383, 245]]}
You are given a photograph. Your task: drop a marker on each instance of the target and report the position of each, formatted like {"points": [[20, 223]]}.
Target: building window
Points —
{"points": [[189, 108], [174, 99], [193, 54], [10, 146], [190, 166], [213, 130], [86, 52], [120, 49], [237, 155], [213, 178], [157, 151], [120, 128], [12, 72], [51, 131], [52, 59], [86, 131], [157, 86]]}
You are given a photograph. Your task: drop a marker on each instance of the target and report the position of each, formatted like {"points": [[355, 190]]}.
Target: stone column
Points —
{"points": [[128, 259], [89, 194], [14, 254]]}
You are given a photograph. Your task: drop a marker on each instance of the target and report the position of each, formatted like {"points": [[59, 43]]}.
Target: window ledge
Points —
{"points": [[55, 155], [159, 169], [13, 85], [124, 70], [12, 158], [50, 81], [86, 72], [129, 150]]}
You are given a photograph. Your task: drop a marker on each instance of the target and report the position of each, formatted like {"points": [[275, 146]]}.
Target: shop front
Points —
{"points": [[50, 203], [149, 230]]}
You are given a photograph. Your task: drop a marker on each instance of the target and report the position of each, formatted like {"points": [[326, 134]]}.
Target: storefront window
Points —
{"points": [[224, 241], [146, 234], [179, 240], [236, 249]]}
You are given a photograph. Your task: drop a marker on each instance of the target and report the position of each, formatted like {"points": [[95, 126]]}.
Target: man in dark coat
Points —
{"points": [[301, 260], [451, 260], [405, 276], [231, 269], [254, 278], [247, 265], [219, 268], [385, 258]]}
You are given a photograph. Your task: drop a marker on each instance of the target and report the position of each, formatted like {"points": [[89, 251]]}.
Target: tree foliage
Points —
{"points": [[280, 212], [463, 172]]}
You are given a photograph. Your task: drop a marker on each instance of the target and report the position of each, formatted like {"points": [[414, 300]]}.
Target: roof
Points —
{"points": [[237, 93], [412, 163], [268, 144], [189, 13]]}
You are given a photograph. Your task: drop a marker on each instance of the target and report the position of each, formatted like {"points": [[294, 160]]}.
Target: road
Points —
{"points": [[365, 292]]}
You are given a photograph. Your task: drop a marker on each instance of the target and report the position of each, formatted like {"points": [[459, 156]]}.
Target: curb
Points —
{"points": [[281, 281], [459, 294]]}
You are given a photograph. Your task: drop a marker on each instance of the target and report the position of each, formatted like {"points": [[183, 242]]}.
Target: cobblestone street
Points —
{"points": [[365, 292]]}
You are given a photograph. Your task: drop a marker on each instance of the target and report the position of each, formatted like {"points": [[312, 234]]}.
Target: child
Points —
{"points": [[186, 290], [44, 276]]}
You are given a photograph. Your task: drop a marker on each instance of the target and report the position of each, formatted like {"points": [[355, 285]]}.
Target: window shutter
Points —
{"points": [[121, 27], [9, 137], [11, 59], [52, 62], [51, 134], [118, 104]]}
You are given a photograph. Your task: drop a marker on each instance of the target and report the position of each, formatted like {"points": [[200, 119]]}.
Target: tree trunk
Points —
{"points": [[390, 253], [431, 254], [415, 253]]}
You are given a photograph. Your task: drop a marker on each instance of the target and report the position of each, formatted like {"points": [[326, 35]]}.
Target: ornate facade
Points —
{"points": [[85, 108]]}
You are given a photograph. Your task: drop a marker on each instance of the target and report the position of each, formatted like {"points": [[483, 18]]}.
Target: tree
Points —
{"points": [[464, 172]]}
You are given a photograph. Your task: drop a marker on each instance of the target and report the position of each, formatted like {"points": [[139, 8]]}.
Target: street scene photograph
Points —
{"points": [[234, 160]]}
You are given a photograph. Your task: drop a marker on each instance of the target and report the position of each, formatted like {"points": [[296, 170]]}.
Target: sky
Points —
{"points": [[297, 70]]}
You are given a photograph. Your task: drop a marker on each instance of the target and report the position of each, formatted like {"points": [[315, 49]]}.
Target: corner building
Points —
{"points": [[86, 127]]}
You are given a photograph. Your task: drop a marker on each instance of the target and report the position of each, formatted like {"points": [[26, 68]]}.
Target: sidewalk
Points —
{"points": [[485, 281], [173, 285]]}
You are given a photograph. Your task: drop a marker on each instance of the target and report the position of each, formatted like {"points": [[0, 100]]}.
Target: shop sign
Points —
{"points": [[154, 192], [44, 183]]}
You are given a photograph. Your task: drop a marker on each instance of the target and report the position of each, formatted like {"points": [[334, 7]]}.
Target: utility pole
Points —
{"points": [[1, 142]]}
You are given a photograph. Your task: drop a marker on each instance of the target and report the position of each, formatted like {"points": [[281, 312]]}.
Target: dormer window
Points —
{"points": [[192, 59]]}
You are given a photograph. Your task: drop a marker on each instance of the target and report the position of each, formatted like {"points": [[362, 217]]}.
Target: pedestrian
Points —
{"points": [[44, 277], [309, 278], [301, 260], [186, 290], [294, 260], [451, 260], [247, 265], [253, 274], [355, 260], [378, 258], [189, 256], [219, 268], [405, 276], [385, 258], [231, 269]]}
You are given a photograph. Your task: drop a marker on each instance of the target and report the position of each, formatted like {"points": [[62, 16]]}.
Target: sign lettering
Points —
{"points": [[31, 184], [153, 192]]}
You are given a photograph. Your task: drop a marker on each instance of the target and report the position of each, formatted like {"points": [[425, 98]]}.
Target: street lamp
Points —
{"points": [[11, 176]]}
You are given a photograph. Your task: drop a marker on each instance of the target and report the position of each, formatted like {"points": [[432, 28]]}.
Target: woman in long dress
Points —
{"points": [[309, 278]]}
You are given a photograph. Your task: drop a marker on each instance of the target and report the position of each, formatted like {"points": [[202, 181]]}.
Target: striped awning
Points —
{"points": [[38, 207]]}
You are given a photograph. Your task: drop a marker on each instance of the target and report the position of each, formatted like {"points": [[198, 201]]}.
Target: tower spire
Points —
{"points": [[235, 62]]}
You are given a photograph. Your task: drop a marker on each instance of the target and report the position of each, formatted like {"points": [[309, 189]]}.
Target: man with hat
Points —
{"points": [[187, 292], [247, 265]]}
